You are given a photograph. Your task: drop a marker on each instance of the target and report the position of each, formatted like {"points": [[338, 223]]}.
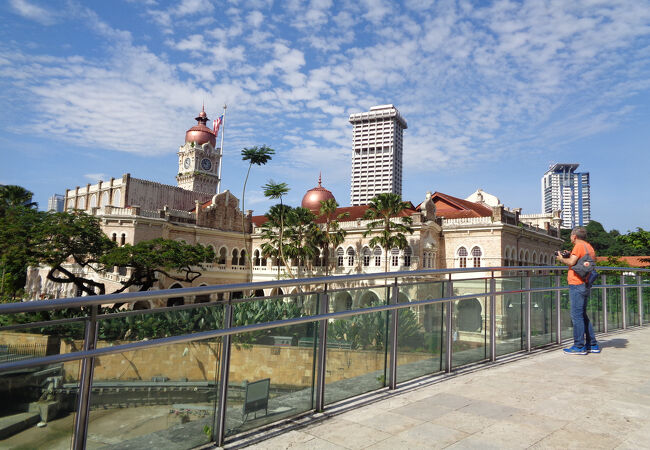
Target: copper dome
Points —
{"points": [[200, 133], [314, 196]]}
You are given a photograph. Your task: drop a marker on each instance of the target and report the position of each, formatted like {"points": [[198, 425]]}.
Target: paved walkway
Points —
{"points": [[546, 400]]}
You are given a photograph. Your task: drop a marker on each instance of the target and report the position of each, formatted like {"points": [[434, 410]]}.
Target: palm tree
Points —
{"points": [[380, 210], [300, 230], [258, 156], [12, 195], [275, 190], [332, 235]]}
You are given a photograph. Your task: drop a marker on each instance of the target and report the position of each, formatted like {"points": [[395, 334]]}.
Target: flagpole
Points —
{"points": [[223, 131]]}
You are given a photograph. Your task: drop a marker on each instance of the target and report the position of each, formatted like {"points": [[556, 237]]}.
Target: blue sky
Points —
{"points": [[493, 93]]}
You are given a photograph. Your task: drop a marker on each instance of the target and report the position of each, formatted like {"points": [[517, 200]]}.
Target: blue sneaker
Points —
{"points": [[594, 348], [575, 350]]}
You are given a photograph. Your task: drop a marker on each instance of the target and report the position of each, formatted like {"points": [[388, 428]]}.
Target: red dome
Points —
{"points": [[200, 133], [314, 196]]}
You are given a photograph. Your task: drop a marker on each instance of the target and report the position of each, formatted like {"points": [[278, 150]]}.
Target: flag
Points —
{"points": [[216, 124]]}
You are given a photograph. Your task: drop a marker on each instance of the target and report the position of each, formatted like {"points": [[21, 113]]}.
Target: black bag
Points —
{"points": [[585, 268]]}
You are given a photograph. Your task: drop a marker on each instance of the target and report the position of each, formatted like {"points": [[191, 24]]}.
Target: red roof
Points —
{"points": [[451, 207], [633, 261]]}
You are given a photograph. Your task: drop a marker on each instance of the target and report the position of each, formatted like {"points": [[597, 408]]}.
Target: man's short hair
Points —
{"points": [[580, 233]]}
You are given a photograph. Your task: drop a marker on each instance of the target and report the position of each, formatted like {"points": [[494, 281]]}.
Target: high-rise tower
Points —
{"points": [[376, 153], [565, 189]]}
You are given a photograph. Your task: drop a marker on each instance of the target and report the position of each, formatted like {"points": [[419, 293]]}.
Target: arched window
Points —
{"points": [[116, 197], [123, 239], [521, 258], [377, 253], [222, 256], [104, 199], [242, 258], [394, 256], [476, 256], [534, 258], [256, 258], [93, 201], [350, 254], [462, 257], [366, 256], [235, 258], [407, 256], [114, 237], [339, 257], [526, 259], [81, 204]]}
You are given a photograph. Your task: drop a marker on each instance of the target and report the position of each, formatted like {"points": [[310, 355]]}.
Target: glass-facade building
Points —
{"points": [[567, 190]]}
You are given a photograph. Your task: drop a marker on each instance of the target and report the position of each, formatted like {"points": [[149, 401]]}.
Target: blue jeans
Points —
{"points": [[579, 296]]}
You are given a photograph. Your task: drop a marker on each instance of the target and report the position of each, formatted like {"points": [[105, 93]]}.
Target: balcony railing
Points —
{"points": [[188, 375]]}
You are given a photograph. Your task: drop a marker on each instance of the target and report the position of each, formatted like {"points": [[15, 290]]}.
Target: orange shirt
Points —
{"points": [[579, 251]]}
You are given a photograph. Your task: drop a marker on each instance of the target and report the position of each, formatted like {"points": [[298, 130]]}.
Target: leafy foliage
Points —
{"points": [[147, 259], [332, 235], [612, 243]]}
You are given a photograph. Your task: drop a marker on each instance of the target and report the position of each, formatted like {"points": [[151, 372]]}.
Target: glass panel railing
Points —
{"points": [[38, 405], [631, 298], [356, 346], [510, 327], [420, 335], [272, 372], [164, 394], [595, 309], [645, 292], [541, 312], [469, 323], [614, 311]]}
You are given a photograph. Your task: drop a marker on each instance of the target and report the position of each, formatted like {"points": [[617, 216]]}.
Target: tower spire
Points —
{"points": [[319, 179]]}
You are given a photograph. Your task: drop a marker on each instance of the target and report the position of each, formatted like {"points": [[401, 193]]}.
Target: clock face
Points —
{"points": [[187, 163], [206, 164]]}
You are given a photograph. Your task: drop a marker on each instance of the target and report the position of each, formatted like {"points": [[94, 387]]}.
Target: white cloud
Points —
{"points": [[95, 177], [31, 11]]}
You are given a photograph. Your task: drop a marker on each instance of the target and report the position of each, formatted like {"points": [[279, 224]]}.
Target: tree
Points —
{"points": [[332, 234], [17, 236], [300, 230], [638, 241], [255, 156], [275, 190], [74, 247], [381, 209], [67, 242], [148, 259], [12, 195]]}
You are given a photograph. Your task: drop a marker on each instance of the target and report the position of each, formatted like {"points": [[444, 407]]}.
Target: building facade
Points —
{"points": [[568, 191], [377, 141]]}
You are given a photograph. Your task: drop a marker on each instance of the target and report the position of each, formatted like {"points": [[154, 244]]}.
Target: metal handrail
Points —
{"points": [[89, 353], [132, 297]]}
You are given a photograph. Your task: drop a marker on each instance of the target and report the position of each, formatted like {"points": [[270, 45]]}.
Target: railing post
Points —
{"points": [[558, 311], [605, 312], [448, 324], [529, 331], [639, 296], [323, 305], [394, 324], [220, 417], [623, 301], [85, 383], [493, 319]]}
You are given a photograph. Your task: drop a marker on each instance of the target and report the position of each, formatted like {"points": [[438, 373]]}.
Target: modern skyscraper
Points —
{"points": [[567, 190], [55, 203], [376, 153]]}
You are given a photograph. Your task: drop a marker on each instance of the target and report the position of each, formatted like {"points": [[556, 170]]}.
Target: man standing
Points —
{"points": [[584, 339]]}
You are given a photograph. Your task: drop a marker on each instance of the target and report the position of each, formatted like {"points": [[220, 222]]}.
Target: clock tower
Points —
{"points": [[199, 159]]}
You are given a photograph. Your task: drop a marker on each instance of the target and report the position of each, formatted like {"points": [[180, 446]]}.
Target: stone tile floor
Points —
{"points": [[545, 400]]}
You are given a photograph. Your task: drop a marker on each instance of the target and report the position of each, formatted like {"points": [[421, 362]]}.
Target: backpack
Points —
{"points": [[585, 268]]}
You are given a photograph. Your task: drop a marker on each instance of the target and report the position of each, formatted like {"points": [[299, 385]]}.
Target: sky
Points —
{"points": [[493, 93]]}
